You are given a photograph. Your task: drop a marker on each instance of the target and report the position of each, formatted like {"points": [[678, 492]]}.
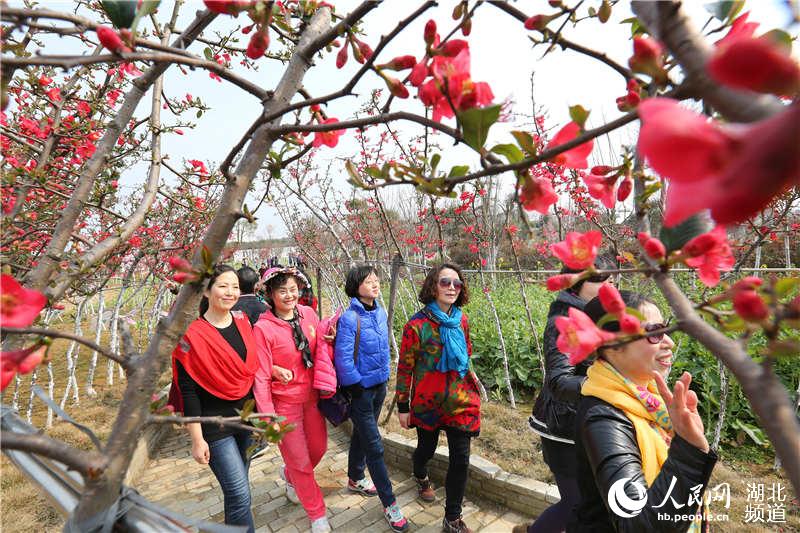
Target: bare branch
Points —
{"points": [[90, 464], [44, 332]]}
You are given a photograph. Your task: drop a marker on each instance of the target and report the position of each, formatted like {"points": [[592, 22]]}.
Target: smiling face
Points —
{"points": [[446, 290], [284, 297], [223, 293], [370, 288], [637, 360]]}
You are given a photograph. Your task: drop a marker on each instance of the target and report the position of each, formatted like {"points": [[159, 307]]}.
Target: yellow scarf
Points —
{"points": [[644, 407]]}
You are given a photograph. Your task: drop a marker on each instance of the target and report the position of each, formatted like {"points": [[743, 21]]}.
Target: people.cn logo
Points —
{"points": [[619, 501]]}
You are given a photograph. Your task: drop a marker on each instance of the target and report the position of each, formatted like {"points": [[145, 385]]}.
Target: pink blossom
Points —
{"points": [[574, 157], [578, 336], [578, 250], [709, 253]]}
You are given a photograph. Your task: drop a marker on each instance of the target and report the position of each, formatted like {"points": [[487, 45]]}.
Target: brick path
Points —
{"points": [[173, 479]]}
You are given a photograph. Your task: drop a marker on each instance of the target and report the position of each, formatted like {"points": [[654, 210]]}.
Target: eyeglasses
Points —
{"points": [[451, 282], [658, 337]]}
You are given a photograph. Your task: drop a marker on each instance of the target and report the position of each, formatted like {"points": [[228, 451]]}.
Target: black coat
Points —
{"points": [[607, 452], [251, 305], [556, 404]]}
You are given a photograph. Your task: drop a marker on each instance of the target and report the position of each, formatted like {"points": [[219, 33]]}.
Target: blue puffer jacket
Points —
{"points": [[372, 366]]}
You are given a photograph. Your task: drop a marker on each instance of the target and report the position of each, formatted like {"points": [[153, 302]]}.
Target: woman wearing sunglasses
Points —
{"points": [[635, 437], [435, 388], [292, 353], [553, 417]]}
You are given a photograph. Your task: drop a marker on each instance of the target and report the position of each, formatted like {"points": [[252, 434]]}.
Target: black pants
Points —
{"points": [[458, 443]]}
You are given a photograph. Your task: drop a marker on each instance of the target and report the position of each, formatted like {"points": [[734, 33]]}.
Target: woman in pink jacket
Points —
{"points": [[295, 369]]}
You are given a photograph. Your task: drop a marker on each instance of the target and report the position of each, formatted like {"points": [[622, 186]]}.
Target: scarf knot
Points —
{"points": [[454, 343]]}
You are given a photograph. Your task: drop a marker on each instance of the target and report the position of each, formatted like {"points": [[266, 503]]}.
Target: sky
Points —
{"points": [[501, 55]]}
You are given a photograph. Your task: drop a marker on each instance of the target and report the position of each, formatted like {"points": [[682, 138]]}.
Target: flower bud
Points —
{"points": [[624, 190], [629, 324], [610, 299], [537, 22], [364, 49], [750, 306], [400, 63], [111, 40], [561, 281], [179, 263], [341, 56], [396, 87], [430, 32], [259, 43], [601, 170]]}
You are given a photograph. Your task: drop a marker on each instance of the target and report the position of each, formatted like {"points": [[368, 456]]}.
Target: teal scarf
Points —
{"points": [[454, 343]]}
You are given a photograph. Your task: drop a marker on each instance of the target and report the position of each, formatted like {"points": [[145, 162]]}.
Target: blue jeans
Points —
{"points": [[230, 464], [366, 446]]}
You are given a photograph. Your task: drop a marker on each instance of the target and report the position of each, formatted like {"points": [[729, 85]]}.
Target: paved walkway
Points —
{"points": [[174, 480]]}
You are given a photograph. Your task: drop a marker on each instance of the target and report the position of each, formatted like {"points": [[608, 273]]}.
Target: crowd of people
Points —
{"points": [[257, 338]]}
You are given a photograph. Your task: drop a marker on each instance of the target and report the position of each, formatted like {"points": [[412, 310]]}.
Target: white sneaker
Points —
{"points": [[320, 525], [291, 494]]}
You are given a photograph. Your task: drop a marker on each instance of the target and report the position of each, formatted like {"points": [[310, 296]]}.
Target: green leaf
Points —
{"points": [[579, 114], [458, 171], [121, 12], [475, 124], [199, 113], [785, 286], [509, 151], [724, 9], [435, 162], [755, 434], [674, 238], [525, 141], [355, 177], [208, 53], [781, 38], [205, 254], [148, 7]]}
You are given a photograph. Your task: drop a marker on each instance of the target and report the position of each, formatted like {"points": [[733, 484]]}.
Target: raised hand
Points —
{"points": [[681, 404]]}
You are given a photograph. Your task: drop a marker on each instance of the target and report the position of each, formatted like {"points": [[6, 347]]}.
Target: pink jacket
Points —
{"points": [[275, 346]]}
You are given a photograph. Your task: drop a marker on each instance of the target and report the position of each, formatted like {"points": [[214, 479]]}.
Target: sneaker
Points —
{"points": [[320, 525], [454, 526], [291, 495], [395, 518], [520, 528], [425, 489], [362, 486]]}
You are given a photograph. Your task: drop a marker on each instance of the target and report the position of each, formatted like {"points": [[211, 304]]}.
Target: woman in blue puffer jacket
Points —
{"points": [[361, 356]]}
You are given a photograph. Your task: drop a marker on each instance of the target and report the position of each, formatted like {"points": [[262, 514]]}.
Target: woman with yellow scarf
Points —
{"points": [[643, 458]]}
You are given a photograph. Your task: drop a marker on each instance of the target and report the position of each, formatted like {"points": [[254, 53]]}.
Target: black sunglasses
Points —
{"points": [[448, 282], [655, 338]]}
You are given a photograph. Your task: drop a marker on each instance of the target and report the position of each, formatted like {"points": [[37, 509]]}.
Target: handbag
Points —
{"points": [[336, 409]]}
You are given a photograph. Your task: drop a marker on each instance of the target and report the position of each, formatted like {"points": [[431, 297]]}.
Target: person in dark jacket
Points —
{"points": [[363, 332], [643, 459], [248, 302], [554, 411]]}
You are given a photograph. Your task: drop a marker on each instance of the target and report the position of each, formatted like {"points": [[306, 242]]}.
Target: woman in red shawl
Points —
{"points": [[214, 366]]}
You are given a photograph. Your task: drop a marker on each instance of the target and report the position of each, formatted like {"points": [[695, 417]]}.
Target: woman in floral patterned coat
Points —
{"points": [[435, 388]]}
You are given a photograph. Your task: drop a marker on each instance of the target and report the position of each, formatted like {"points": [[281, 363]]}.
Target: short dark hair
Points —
{"points": [[355, 277], [278, 281], [604, 261], [218, 271], [247, 279], [427, 293]]}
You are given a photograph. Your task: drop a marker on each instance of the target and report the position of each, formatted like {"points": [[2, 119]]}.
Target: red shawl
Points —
{"points": [[213, 363]]}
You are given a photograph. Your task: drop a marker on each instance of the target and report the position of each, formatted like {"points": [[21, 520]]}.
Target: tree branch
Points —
{"points": [[89, 464], [44, 332]]}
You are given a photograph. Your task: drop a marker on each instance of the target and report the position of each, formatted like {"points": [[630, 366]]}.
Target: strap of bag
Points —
{"points": [[358, 337]]}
